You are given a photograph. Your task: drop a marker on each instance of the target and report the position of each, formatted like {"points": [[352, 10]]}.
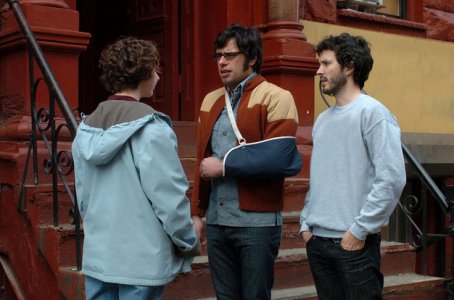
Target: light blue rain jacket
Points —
{"points": [[131, 191]]}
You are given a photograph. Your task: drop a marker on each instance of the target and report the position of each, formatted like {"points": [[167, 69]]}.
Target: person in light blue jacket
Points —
{"points": [[131, 187]]}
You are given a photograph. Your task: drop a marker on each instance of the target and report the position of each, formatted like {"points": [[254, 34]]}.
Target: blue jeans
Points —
{"points": [[100, 290], [242, 259], [341, 274]]}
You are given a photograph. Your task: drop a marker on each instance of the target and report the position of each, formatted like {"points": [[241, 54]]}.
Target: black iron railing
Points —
{"points": [[410, 204], [59, 164]]}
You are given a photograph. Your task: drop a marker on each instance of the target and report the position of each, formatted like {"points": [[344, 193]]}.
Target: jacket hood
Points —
{"points": [[99, 146]]}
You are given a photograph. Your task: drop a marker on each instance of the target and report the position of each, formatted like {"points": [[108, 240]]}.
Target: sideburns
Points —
{"points": [[246, 65]]}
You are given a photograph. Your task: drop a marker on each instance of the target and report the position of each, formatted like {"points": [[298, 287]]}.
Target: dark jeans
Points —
{"points": [[241, 260], [341, 274]]}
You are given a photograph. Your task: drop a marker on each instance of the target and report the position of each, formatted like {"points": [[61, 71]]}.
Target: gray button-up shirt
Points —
{"points": [[223, 208]]}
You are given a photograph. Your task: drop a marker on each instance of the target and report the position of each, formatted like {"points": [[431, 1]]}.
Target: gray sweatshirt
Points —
{"points": [[357, 170]]}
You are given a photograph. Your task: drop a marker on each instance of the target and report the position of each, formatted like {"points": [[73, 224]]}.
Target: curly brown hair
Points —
{"points": [[127, 62], [350, 50]]}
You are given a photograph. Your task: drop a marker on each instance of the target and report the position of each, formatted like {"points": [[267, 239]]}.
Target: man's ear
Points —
{"points": [[349, 69], [252, 62]]}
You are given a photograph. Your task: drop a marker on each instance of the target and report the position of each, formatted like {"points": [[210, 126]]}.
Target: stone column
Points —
{"points": [[289, 61], [283, 10], [56, 29]]}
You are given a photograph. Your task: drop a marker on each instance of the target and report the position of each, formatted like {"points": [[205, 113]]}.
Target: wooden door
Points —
{"points": [[157, 20]]}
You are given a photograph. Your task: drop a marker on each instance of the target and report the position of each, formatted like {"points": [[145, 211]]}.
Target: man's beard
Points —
{"points": [[336, 83]]}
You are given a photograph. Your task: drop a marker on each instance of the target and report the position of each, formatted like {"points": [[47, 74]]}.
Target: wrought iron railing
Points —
{"points": [[409, 204], [59, 164]]}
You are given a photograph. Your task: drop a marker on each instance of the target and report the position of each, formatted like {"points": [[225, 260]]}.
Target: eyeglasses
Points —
{"points": [[227, 55]]}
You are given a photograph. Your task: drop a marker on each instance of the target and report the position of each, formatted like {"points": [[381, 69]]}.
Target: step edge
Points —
{"points": [[310, 291]]}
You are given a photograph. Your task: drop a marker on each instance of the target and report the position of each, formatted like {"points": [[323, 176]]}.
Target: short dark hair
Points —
{"points": [[248, 41], [126, 62], [350, 50]]}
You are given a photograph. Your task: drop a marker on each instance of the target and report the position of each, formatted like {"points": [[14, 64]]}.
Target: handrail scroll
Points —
{"points": [[60, 163]]}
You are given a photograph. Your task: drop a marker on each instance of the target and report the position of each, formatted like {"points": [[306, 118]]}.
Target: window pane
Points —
{"points": [[392, 7]]}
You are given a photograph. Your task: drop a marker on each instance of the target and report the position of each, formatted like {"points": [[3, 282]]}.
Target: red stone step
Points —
{"points": [[415, 286], [58, 245], [71, 283], [407, 286], [292, 274], [295, 192], [291, 270], [39, 204], [397, 287]]}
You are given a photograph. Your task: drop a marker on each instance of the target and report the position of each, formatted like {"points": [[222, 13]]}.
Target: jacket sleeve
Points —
{"points": [[164, 182]]}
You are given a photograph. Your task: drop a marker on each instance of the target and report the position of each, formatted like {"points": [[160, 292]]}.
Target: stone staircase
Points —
{"points": [[293, 278], [292, 274]]}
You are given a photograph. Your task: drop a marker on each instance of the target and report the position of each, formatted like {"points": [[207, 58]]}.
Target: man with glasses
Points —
{"points": [[243, 212]]}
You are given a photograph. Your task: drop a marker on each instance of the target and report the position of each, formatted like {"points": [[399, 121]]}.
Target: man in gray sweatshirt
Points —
{"points": [[357, 176]]}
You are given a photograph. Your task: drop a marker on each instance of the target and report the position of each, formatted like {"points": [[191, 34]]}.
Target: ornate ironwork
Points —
{"points": [[59, 163], [410, 204]]}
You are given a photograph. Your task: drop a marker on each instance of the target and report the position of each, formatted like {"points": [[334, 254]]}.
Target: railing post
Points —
{"points": [[424, 228], [450, 286]]}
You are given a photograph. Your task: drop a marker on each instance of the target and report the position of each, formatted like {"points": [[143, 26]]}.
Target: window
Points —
{"points": [[394, 8]]}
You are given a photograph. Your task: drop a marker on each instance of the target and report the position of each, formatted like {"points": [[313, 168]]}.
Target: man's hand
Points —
{"points": [[351, 243], [306, 235], [211, 167], [198, 226]]}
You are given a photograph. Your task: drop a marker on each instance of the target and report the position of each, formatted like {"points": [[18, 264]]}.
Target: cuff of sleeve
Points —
{"points": [[304, 227], [358, 232], [195, 250], [198, 212]]}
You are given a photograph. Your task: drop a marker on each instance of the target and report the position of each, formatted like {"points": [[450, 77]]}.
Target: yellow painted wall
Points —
{"points": [[413, 77]]}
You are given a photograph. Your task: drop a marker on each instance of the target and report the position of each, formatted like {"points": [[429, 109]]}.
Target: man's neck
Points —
{"points": [[347, 94], [130, 93], [243, 82]]}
